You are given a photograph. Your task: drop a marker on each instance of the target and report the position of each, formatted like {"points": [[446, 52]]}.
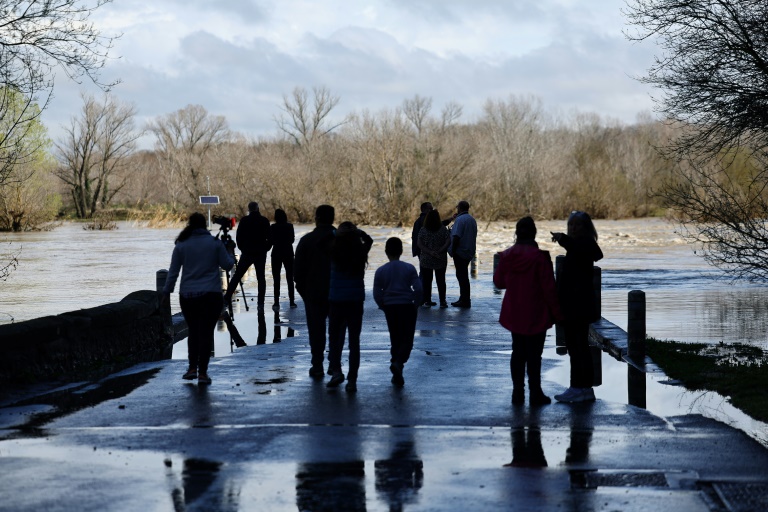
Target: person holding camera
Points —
{"points": [[198, 256], [254, 240]]}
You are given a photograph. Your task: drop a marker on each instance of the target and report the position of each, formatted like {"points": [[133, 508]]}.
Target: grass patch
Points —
{"points": [[737, 371]]}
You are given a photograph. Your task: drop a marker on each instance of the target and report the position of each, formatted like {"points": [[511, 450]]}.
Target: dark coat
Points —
{"points": [[312, 266], [253, 234], [575, 288], [282, 240]]}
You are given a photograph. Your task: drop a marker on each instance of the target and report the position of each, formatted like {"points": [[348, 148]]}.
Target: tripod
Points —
{"points": [[230, 245]]}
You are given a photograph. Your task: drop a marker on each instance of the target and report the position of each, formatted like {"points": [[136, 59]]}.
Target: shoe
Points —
{"points": [[443, 304], [518, 397], [316, 372], [397, 374], [432, 303], [204, 379], [461, 304], [190, 375], [336, 379], [293, 305], [539, 398], [351, 387], [574, 395]]}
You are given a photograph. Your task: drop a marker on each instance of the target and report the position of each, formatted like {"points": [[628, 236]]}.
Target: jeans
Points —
{"points": [[401, 322], [426, 283], [526, 352], [345, 316], [462, 276], [201, 314], [317, 313], [287, 262], [259, 262]]}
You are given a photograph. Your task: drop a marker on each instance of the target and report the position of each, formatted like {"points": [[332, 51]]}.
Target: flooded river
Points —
{"points": [[70, 268]]}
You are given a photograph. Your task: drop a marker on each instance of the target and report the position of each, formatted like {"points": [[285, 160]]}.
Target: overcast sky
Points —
{"points": [[237, 58]]}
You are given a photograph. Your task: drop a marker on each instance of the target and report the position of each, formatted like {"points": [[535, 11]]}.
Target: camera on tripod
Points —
{"points": [[225, 224]]}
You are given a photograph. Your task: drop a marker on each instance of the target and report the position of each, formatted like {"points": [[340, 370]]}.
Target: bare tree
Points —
{"points": [[94, 152], [184, 140], [713, 73]]}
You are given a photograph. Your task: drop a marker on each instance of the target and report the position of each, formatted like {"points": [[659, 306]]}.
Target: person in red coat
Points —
{"points": [[529, 308]]}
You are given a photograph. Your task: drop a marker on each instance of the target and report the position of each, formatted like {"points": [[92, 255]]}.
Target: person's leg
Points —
{"points": [[354, 327], [462, 276], [243, 263], [440, 281], [390, 313], [337, 323], [288, 264], [211, 304], [577, 343], [260, 263], [535, 348], [190, 311], [317, 313], [517, 368], [276, 264], [426, 284]]}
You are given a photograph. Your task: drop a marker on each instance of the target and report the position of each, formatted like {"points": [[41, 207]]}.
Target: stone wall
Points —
{"points": [[87, 343]]}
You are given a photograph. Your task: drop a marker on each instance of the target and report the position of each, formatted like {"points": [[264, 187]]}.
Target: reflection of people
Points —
{"points": [[417, 225], [349, 258], [282, 255], [198, 477], [399, 478], [433, 241], [463, 248], [331, 486], [312, 275], [527, 450], [397, 291], [576, 293], [529, 308], [254, 240], [198, 256]]}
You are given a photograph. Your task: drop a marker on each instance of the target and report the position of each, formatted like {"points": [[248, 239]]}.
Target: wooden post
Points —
{"points": [[160, 277], [636, 327]]}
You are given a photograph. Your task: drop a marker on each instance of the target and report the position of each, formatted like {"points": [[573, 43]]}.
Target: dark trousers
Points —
{"points": [[401, 322], [317, 313], [426, 283], [462, 276], [577, 344], [201, 314], [526, 353], [345, 316], [259, 262], [287, 262]]}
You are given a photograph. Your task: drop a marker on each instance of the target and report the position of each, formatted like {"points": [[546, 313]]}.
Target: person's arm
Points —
{"points": [[378, 287], [367, 241], [300, 267], [546, 278], [173, 271], [267, 235], [417, 293]]}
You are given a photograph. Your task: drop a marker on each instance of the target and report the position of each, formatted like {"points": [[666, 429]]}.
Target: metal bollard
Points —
{"points": [[636, 327], [161, 276]]}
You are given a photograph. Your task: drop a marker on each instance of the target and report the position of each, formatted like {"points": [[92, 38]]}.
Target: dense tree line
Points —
{"points": [[377, 167]]}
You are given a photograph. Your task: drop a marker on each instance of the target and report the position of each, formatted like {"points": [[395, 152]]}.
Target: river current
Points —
{"points": [[69, 268]]}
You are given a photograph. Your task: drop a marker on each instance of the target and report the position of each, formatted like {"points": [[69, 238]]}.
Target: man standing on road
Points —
{"points": [[254, 240], [312, 275], [463, 248]]}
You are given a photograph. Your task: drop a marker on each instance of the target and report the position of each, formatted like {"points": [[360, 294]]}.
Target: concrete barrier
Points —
{"points": [[88, 343]]}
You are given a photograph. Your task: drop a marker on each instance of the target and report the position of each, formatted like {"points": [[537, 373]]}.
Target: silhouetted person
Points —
{"points": [[417, 225], [576, 292], [349, 258], [399, 478], [198, 256], [463, 248], [282, 255], [312, 275], [397, 291], [254, 240], [433, 241], [529, 308]]}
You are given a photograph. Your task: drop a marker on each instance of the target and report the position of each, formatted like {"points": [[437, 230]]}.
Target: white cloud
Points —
{"points": [[239, 58]]}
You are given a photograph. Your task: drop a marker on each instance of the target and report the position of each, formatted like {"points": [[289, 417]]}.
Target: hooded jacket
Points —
{"points": [[575, 286], [530, 304]]}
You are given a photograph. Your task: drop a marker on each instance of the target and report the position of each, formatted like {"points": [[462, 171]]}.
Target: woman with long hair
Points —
{"points": [[576, 292], [282, 255], [198, 256], [349, 258], [433, 240], [530, 307]]}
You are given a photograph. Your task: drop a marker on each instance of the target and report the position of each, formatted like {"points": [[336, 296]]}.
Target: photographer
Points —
{"points": [[254, 240]]}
